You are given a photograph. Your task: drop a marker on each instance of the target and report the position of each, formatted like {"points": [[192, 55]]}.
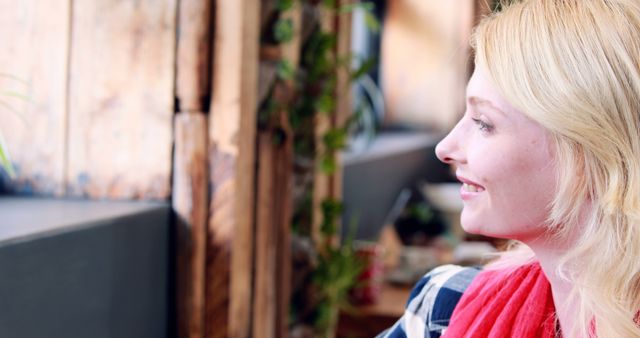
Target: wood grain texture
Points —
{"points": [[330, 186], [266, 239], [291, 49], [284, 183], [322, 183], [343, 90], [194, 55], [33, 87], [232, 137], [284, 178], [190, 203], [121, 98], [272, 287]]}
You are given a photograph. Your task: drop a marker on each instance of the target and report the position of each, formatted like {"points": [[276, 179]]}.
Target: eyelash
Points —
{"points": [[483, 126]]}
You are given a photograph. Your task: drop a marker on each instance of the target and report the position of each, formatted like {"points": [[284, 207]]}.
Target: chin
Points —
{"points": [[471, 224], [474, 228], [483, 229]]}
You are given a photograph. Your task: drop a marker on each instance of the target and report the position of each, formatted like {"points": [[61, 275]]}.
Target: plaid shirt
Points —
{"points": [[431, 303]]}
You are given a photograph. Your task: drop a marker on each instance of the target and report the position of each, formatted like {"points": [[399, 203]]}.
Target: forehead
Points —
{"points": [[482, 94], [482, 88]]}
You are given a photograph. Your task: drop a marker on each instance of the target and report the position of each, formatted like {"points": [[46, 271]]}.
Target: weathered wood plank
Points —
{"points": [[33, 63], [232, 137], [265, 285], [291, 49], [190, 202], [121, 98], [330, 186], [322, 183], [272, 288], [284, 179], [194, 55], [343, 92]]}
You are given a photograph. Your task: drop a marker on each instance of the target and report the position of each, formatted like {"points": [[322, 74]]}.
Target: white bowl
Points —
{"points": [[444, 196]]}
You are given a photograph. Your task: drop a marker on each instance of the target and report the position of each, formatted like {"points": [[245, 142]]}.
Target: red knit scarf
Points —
{"points": [[505, 303]]}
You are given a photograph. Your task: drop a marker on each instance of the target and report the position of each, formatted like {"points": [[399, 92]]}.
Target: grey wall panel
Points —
{"points": [[106, 277], [373, 179]]}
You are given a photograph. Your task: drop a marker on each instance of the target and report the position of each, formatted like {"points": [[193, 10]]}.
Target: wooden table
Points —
{"points": [[375, 318]]}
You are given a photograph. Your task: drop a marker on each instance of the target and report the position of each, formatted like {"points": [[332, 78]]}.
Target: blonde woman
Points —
{"points": [[548, 152]]}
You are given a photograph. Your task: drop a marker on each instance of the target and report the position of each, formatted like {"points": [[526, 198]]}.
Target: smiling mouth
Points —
{"points": [[471, 187]]}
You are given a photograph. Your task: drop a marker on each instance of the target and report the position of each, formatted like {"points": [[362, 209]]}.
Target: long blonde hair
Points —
{"points": [[574, 67]]}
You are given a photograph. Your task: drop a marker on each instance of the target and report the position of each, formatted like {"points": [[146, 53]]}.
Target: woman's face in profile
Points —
{"points": [[505, 161]]}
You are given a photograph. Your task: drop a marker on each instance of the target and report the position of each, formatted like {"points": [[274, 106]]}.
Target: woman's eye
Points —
{"points": [[483, 126]]}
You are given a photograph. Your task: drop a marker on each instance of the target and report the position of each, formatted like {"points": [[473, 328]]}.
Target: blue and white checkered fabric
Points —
{"points": [[431, 303]]}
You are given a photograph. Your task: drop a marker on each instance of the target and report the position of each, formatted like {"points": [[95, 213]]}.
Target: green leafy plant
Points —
{"points": [[284, 30], [337, 271], [5, 105], [314, 84], [5, 160]]}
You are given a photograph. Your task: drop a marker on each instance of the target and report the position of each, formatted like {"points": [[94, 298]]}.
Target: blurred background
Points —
{"points": [[212, 168]]}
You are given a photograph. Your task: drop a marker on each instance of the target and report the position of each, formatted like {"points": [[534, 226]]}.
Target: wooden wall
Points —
{"points": [[34, 40], [157, 99], [98, 79]]}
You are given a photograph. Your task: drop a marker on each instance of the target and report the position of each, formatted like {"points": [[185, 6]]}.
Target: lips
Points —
{"points": [[472, 187], [469, 185]]}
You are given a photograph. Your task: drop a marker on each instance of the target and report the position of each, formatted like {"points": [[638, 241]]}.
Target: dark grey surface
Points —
{"points": [[83, 269], [373, 179], [22, 217]]}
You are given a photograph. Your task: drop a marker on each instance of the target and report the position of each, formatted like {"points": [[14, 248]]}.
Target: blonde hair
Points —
{"points": [[574, 67]]}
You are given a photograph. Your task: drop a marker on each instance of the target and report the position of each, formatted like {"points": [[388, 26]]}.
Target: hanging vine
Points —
{"points": [[311, 91]]}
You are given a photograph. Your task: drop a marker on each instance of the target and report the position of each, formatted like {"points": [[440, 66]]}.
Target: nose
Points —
{"points": [[449, 150]]}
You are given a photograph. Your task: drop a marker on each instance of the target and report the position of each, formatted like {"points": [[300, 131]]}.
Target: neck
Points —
{"points": [[549, 253]]}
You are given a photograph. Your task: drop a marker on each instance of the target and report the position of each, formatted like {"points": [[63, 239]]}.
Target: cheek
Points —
{"points": [[528, 192], [520, 188]]}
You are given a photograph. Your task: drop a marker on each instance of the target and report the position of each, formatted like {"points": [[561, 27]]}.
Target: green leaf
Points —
{"points": [[348, 8], [335, 139], [5, 160], [331, 208], [285, 70], [371, 22], [16, 95], [329, 3], [284, 5], [364, 68], [283, 31], [328, 165], [325, 104]]}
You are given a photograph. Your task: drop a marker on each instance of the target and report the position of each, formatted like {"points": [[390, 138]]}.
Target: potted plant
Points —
{"points": [[5, 161]]}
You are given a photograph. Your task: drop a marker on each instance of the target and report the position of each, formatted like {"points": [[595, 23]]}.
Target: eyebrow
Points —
{"points": [[480, 102]]}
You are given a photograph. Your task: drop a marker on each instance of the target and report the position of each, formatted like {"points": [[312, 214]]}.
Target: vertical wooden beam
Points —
{"points": [[190, 203], [232, 137], [330, 186], [194, 55], [33, 91], [343, 90], [272, 288], [121, 98], [321, 181], [191, 180], [291, 50], [265, 303], [284, 166]]}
